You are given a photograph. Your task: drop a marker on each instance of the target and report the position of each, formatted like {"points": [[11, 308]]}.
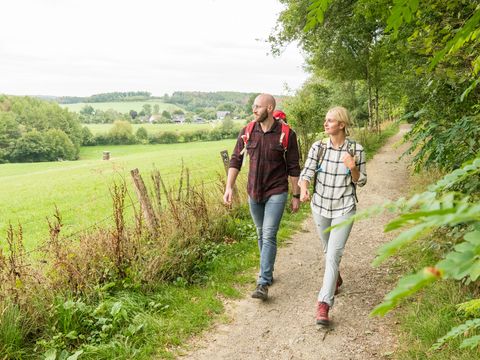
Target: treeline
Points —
{"points": [[33, 130], [106, 97], [220, 100], [122, 133]]}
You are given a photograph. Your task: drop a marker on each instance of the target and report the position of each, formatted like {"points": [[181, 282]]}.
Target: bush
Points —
{"points": [[167, 137], [87, 137], [59, 146], [121, 133], [142, 134]]}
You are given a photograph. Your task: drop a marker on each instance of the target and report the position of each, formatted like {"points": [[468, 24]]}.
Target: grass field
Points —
{"points": [[154, 128], [124, 106], [80, 189]]}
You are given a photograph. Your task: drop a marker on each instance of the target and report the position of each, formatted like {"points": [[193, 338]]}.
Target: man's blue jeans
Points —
{"points": [[266, 215]]}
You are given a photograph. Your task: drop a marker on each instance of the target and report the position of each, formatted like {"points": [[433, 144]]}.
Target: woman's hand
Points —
{"points": [[349, 161], [304, 193]]}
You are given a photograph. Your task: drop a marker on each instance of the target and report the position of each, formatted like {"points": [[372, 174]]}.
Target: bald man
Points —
{"points": [[270, 167]]}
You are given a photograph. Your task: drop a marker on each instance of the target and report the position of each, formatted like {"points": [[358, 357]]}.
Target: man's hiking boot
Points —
{"points": [[261, 292], [322, 314], [339, 283]]}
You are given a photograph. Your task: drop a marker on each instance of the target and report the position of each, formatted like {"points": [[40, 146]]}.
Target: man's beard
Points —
{"points": [[262, 117]]}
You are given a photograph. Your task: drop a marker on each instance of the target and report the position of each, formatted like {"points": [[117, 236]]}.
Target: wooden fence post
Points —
{"points": [[226, 164], [225, 159], [144, 199]]}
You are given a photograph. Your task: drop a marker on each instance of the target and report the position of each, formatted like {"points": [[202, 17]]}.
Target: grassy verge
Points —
{"points": [[430, 314]]}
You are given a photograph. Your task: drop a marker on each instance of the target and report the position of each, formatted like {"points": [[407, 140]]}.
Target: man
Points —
{"points": [[270, 167]]}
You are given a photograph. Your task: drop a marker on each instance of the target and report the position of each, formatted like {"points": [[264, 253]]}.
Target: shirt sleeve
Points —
{"points": [[310, 166], [362, 166], [293, 155], [236, 159]]}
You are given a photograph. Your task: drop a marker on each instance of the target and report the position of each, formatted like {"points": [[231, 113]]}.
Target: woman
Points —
{"points": [[336, 165]]}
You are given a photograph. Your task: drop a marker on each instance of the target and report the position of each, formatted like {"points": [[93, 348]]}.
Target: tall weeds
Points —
{"points": [[51, 300]]}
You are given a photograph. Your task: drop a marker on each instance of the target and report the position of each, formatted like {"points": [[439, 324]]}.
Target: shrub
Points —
{"points": [[121, 133], [166, 137]]}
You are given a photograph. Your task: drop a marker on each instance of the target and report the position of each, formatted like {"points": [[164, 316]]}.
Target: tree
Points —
{"points": [[30, 148], [9, 130], [58, 146], [33, 118], [133, 114], [87, 137], [156, 109], [87, 110], [306, 111], [249, 104], [147, 109], [166, 115], [141, 134], [226, 107], [121, 133]]}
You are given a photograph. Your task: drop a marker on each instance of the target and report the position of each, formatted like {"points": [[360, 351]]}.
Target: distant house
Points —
{"points": [[154, 119], [199, 120], [221, 114], [178, 118]]}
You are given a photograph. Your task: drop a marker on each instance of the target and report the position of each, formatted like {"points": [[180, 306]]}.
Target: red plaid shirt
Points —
{"points": [[270, 165]]}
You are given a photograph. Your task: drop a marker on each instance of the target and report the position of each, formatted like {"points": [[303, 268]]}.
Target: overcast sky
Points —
{"points": [[85, 47]]}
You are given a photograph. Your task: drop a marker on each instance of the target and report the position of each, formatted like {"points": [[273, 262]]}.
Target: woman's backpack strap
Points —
{"points": [[322, 149]]}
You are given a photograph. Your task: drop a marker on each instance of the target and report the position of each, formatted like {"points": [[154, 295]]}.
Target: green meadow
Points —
{"points": [[124, 106], [80, 189]]}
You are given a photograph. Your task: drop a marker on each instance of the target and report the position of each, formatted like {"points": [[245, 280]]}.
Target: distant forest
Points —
{"points": [[105, 97], [190, 100]]}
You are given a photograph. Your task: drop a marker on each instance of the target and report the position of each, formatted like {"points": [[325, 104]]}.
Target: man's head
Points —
{"points": [[263, 107]]}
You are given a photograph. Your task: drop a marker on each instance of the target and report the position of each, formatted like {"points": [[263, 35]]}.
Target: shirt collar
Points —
{"points": [[330, 145]]}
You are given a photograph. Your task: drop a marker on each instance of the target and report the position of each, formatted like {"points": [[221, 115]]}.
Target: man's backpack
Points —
{"points": [[283, 136], [351, 149]]}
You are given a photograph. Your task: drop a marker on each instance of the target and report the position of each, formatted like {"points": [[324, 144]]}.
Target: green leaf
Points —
{"points": [[401, 240], [117, 306], [471, 342], [75, 355], [50, 354], [456, 332], [406, 286]]}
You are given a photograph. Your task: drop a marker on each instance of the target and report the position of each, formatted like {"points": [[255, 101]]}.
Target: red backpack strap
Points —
{"points": [[285, 135], [246, 135]]}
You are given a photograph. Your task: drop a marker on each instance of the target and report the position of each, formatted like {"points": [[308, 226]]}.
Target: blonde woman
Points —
{"points": [[335, 165]]}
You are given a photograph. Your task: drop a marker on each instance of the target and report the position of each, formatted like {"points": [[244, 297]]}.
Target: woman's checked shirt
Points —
{"points": [[334, 194]]}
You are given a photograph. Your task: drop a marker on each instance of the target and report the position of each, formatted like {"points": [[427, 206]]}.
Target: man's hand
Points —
{"points": [[228, 196], [295, 204]]}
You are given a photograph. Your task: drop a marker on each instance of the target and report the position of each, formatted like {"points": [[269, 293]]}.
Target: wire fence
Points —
{"points": [[202, 178]]}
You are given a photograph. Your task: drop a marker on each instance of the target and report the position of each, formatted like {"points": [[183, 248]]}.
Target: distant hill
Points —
{"points": [[192, 100], [106, 97]]}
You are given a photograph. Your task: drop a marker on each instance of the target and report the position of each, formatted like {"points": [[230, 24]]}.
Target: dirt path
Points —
{"points": [[284, 326]]}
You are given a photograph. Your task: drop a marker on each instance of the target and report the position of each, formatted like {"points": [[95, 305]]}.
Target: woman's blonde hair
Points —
{"points": [[342, 115]]}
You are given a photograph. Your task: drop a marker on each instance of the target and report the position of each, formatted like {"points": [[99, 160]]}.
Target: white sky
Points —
{"points": [[85, 47]]}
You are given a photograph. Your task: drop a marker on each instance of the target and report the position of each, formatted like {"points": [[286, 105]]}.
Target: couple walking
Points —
{"points": [[335, 166]]}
